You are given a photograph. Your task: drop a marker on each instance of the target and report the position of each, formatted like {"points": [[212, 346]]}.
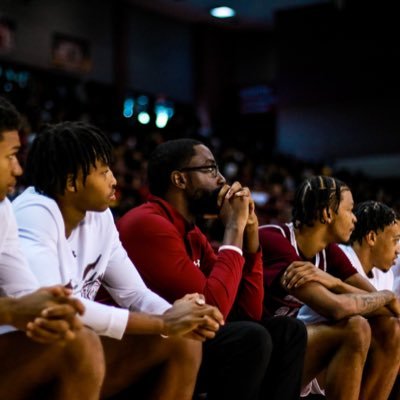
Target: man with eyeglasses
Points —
{"points": [[245, 360]]}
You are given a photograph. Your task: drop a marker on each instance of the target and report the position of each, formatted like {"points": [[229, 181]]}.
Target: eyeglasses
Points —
{"points": [[213, 170]]}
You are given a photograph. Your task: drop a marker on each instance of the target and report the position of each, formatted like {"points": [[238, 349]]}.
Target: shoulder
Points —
{"points": [[336, 250], [146, 217], [6, 211], [31, 207], [7, 219], [31, 201], [272, 235], [338, 263]]}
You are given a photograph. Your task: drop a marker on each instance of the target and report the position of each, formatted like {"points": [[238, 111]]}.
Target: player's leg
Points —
{"points": [[383, 360], [75, 370], [340, 350], [235, 362], [129, 360], [283, 378]]}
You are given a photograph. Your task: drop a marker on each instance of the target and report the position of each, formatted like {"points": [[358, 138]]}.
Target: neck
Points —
{"points": [[311, 240], [180, 204], [363, 254], [71, 215]]}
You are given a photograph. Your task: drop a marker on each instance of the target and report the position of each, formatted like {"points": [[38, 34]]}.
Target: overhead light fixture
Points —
{"points": [[223, 12]]}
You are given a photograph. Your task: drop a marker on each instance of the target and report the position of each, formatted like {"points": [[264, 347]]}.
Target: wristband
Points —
{"points": [[230, 247]]}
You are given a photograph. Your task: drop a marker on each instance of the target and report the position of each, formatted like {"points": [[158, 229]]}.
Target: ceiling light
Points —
{"points": [[222, 12]]}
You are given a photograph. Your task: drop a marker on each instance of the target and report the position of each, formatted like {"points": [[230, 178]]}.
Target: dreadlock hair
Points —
{"points": [[313, 196], [10, 119], [371, 216], [167, 157], [63, 149]]}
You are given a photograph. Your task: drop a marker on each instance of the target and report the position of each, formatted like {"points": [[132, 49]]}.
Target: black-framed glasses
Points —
{"points": [[213, 170]]}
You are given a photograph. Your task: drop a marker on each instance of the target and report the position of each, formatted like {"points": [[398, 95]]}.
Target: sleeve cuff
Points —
{"points": [[230, 247], [105, 320]]}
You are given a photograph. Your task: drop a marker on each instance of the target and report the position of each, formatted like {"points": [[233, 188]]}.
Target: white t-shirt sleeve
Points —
{"points": [[16, 279], [38, 235], [105, 320], [126, 286]]}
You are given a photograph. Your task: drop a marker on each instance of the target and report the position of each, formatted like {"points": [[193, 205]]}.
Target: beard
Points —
{"points": [[204, 202]]}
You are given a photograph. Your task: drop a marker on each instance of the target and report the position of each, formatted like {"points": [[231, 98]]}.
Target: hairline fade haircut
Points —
{"points": [[167, 157], [315, 195], [371, 216], [10, 118], [63, 149]]}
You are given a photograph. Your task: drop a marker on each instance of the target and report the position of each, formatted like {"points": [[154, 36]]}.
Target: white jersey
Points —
{"points": [[93, 254], [396, 276], [379, 279]]}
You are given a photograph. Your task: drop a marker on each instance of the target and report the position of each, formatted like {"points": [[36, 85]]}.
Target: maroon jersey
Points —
{"points": [[279, 247]]}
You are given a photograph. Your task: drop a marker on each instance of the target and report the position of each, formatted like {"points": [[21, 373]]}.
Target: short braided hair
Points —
{"points": [[314, 195]]}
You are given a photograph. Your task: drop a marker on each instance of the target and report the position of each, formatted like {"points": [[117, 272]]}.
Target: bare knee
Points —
{"points": [[386, 334], [185, 351], [84, 356], [357, 334]]}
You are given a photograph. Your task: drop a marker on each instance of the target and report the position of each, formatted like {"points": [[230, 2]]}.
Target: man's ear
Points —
{"points": [[70, 184], [370, 238], [178, 179], [327, 215]]}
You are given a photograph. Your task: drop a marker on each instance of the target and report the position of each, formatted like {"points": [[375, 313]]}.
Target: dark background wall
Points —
{"points": [[334, 70], [338, 80], [37, 21]]}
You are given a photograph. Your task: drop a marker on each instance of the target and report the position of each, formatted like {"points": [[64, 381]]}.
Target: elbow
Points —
{"points": [[341, 310]]}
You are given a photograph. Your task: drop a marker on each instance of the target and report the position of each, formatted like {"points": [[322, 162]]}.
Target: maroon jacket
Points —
{"points": [[175, 258]]}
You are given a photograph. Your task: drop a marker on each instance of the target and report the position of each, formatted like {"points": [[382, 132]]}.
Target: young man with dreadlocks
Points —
{"points": [[33, 364], [68, 234], [353, 357]]}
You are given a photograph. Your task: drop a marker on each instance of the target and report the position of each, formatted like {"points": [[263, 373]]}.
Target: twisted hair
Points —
{"points": [[10, 119], [167, 157], [371, 216], [313, 196], [63, 149]]}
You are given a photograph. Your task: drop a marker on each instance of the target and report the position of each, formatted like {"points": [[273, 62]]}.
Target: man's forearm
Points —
{"points": [[368, 303], [251, 242]]}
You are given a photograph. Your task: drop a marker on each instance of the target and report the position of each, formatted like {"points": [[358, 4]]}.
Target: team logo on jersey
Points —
{"points": [[91, 280], [197, 262]]}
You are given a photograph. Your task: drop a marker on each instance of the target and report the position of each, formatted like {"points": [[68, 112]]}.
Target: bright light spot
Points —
{"points": [[162, 119], [222, 12], [128, 108], [144, 117]]}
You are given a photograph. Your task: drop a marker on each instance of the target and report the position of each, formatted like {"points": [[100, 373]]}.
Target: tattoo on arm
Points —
{"points": [[368, 302]]}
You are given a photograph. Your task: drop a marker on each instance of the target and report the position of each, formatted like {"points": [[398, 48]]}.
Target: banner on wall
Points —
{"points": [[7, 35], [71, 53]]}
